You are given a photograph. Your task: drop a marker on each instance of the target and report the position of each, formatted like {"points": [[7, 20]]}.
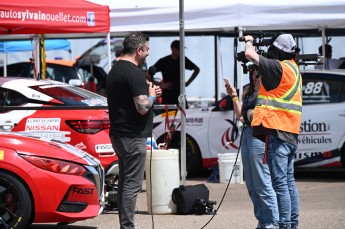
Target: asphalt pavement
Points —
{"points": [[322, 206]]}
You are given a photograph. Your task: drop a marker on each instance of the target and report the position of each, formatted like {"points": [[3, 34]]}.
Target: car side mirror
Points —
{"points": [[75, 82], [225, 103]]}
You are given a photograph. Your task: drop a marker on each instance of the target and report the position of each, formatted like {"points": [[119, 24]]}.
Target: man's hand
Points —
{"points": [[167, 85], [158, 91]]}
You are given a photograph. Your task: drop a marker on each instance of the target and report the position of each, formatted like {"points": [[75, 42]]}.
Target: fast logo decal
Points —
{"points": [[82, 191], [104, 148], [230, 136]]}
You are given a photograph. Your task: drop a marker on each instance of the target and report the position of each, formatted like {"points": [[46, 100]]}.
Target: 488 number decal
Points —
{"points": [[312, 88]]}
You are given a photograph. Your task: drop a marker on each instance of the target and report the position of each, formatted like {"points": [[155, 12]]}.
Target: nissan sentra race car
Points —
{"points": [[44, 181], [214, 130], [84, 127]]}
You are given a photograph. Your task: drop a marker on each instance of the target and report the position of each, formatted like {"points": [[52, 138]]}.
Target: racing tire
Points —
{"points": [[193, 154], [15, 203]]}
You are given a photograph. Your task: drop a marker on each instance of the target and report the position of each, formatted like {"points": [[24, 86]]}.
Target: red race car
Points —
{"points": [[83, 126], [43, 181]]}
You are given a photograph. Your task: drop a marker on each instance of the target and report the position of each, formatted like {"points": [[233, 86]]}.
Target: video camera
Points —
{"points": [[259, 42]]}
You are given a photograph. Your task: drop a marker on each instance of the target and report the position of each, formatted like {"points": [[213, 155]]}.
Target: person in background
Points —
{"points": [[257, 174], [170, 68], [130, 101], [330, 63], [277, 119], [118, 54]]}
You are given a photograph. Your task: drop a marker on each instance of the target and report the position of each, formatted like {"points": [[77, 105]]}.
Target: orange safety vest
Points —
{"points": [[281, 108]]}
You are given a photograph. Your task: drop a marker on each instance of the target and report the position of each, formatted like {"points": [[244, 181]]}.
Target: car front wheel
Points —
{"points": [[15, 203]]}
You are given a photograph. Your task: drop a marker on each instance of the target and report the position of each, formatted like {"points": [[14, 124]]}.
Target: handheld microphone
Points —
{"points": [[241, 39], [152, 72]]}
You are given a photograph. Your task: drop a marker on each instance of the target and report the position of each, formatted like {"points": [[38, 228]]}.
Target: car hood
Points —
{"points": [[36, 146]]}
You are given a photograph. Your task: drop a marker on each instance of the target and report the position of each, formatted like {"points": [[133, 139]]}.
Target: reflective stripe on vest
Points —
{"points": [[297, 84], [280, 104]]}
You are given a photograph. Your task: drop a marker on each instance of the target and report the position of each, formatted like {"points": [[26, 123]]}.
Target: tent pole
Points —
{"points": [[240, 34], [5, 64], [217, 63], [108, 51], [182, 97], [323, 31], [37, 72]]}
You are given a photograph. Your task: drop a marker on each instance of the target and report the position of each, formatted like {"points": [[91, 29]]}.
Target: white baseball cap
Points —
{"points": [[285, 42]]}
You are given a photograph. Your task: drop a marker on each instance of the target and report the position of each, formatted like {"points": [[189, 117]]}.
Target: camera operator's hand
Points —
{"points": [[249, 39], [250, 52]]}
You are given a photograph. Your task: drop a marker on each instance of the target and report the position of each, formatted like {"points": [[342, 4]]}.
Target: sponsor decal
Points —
{"points": [[91, 19], [313, 127], [104, 148], [304, 155], [314, 133], [42, 124], [319, 155], [314, 140], [189, 121], [82, 191], [80, 146], [35, 96], [47, 15], [2, 153], [194, 121], [230, 135], [56, 135]]}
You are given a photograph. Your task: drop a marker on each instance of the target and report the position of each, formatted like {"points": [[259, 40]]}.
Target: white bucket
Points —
{"points": [[226, 163], [165, 177]]}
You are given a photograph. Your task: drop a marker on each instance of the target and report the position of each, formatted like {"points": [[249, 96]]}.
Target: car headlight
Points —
{"points": [[54, 165]]}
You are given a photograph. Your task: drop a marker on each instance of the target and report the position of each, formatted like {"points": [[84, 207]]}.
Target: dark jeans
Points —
{"points": [[131, 153]]}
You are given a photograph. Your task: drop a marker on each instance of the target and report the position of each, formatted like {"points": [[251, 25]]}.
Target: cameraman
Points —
{"points": [[277, 118]]}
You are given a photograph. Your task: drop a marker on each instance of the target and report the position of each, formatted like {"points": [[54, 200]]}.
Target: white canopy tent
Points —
{"points": [[224, 17]]}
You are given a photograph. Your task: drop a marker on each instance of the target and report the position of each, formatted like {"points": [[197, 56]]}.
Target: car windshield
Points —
{"points": [[70, 95]]}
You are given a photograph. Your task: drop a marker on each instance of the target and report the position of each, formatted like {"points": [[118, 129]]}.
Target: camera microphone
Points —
{"points": [[265, 42], [258, 41]]}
